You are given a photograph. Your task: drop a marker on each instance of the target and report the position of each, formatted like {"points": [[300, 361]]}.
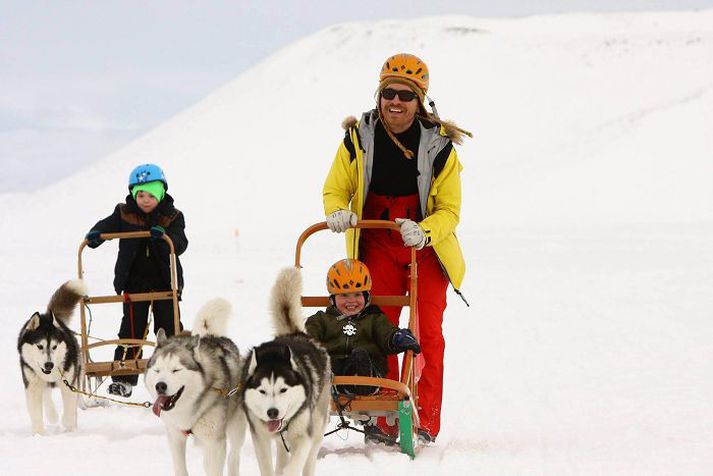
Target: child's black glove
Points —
{"points": [[157, 232], [403, 340], [93, 239]]}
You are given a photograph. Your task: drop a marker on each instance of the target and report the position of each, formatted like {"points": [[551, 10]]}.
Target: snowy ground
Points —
{"points": [[587, 226]]}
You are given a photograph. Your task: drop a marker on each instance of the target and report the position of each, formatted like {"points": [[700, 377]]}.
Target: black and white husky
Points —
{"points": [[287, 387], [194, 381], [49, 354]]}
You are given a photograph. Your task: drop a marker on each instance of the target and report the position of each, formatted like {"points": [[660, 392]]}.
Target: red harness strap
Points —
{"points": [[127, 299]]}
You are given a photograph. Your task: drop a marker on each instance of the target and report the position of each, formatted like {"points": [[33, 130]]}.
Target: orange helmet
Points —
{"points": [[407, 66], [348, 276]]}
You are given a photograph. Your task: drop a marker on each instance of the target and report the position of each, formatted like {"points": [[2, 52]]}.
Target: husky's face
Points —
{"points": [[43, 347], [173, 374], [274, 391]]}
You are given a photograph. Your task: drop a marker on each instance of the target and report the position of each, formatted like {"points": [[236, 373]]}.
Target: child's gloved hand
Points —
{"points": [[157, 232], [93, 239], [404, 340]]}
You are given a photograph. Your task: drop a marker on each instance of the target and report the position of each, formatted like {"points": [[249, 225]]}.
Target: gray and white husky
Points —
{"points": [[49, 354], [287, 387], [194, 381]]}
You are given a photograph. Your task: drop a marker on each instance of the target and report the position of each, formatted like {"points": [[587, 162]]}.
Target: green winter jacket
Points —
{"points": [[370, 330]]}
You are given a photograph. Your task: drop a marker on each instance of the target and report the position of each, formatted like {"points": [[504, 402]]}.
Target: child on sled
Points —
{"points": [[357, 335], [142, 265]]}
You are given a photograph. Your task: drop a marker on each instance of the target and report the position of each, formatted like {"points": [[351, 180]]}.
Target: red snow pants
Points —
{"points": [[388, 260]]}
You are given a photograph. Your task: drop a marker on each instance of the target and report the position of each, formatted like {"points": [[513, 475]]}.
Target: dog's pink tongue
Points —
{"points": [[274, 425], [158, 404]]}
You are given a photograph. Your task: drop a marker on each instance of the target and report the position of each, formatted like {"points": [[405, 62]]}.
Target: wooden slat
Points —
{"points": [[374, 382], [323, 301], [373, 407], [128, 367], [138, 297], [133, 342]]}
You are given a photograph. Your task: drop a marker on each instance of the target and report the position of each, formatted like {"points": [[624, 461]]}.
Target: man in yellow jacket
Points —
{"points": [[398, 163]]}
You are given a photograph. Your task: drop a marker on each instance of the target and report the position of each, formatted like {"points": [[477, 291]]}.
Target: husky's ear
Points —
{"points": [[34, 322], [54, 320], [160, 337], [253, 363], [288, 355], [196, 344]]}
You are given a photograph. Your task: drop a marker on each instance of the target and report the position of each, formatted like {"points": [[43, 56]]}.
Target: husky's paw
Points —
{"points": [[39, 431], [51, 415], [69, 425]]}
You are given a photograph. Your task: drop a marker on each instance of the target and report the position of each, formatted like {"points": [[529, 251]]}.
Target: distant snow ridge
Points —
{"points": [[575, 122]]}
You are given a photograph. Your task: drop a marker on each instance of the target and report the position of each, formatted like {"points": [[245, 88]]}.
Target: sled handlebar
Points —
{"points": [[371, 224], [128, 235]]}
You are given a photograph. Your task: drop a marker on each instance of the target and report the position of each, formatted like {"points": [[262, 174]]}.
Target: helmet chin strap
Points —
{"points": [[432, 104]]}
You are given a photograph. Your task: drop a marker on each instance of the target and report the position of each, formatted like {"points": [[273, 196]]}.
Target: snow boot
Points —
{"points": [[425, 438], [374, 435], [121, 389]]}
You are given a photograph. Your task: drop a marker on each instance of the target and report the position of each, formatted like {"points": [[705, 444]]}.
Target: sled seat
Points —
{"points": [[381, 403], [94, 369], [395, 397], [114, 367]]}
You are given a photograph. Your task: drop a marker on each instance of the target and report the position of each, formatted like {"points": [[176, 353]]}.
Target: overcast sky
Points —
{"points": [[80, 78]]}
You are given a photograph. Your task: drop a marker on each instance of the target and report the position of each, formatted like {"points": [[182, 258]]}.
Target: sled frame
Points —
{"points": [[98, 370], [398, 398]]}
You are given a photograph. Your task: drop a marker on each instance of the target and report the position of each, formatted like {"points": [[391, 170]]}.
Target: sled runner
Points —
{"points": [[126, 366], [396, 399]]}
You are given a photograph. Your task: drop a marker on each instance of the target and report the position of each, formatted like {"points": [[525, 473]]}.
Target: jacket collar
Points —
{"points": [[370, 309]]}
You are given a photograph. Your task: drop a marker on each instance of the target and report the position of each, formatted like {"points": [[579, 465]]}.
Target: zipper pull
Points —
{"points": [[461, 296]]}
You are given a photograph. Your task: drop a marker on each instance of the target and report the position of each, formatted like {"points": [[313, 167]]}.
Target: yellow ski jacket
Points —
{"points": [[439, 187]]}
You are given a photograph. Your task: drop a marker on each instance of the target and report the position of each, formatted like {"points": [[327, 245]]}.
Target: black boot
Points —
{"points": [[122, 389], [374, 435], [425, 438]]}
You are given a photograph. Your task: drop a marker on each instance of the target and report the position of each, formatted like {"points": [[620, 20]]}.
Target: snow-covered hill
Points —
{"points": [[587, 221]]}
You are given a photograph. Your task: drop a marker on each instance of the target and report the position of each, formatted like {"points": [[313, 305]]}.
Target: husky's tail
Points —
{"points": [[66, 298], [213, 318], [285, 303]]}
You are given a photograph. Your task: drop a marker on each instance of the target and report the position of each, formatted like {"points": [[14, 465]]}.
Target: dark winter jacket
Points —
{"points": [[370, 330], [143, 264]]}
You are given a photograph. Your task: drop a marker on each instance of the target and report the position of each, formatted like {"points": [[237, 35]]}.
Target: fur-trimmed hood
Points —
{"points": [[448, 128]]}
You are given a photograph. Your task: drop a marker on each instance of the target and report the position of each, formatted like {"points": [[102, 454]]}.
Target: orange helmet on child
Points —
{"points": [[348, 276]]}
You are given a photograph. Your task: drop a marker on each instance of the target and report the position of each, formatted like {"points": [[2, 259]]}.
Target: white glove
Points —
{"points": [[412, 233], [340, 220]]}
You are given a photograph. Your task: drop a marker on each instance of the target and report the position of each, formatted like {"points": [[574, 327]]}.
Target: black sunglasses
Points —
{"points": [[405, 95]]}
